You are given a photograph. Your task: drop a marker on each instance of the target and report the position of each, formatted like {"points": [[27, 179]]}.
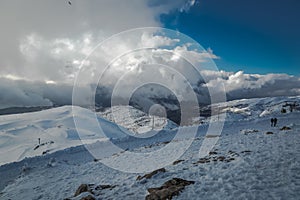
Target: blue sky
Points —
{"points": [[256, 36]]}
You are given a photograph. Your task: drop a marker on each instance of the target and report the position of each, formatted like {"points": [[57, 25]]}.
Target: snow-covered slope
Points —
{"points": [[251, 159], [246, 109], [135, 120], [19, 134]]}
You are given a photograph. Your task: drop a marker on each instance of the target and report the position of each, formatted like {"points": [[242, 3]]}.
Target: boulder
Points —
{"points": [[285, 128], [103, 187], [177, 161], [82, 188], [168, 190], [148, 176], [89, 197]]}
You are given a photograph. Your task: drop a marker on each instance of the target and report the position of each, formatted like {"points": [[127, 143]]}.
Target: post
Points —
{"points": [[152, 122]]}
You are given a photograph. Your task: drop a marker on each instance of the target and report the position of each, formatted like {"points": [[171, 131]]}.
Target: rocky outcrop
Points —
{"points": [[148, 176], [214, 156], [89, 197], [82, 188], [91, 191], [285, 128], [177, 161], [168, 190]]}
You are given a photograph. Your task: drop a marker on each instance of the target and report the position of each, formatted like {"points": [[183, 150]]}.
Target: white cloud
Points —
{"points": [[20, 93], [166, 6], [43, 44], [240, 85], [30, 28], [192, 55], [154, 41]]}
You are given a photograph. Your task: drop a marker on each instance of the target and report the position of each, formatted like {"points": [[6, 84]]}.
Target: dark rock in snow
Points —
{"points": [[168, 190], [221, 158], [202, 161], [285, 128], [212, 153], [89, 197], [233, 153], [148, 176], [246, 151], [103, 187], [177, 161], [82, 188], [92, 189]]}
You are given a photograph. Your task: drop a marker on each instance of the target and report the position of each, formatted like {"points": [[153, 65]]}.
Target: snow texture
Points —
{"points": [[245, 163]]}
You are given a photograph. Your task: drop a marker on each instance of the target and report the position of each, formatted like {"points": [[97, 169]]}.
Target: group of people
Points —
{"points": [[273, 121]]}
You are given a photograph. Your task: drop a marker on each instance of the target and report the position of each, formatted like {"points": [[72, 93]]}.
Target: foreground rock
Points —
{"points": [[90, 191], [82, 188], [148, 176], [214, 156], [285, 128], [168, 190], [89, 197], [177, 162]]}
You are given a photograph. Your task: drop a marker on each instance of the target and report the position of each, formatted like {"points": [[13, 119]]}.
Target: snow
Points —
{"points": [[262, 166], [56, 129], [246, 109], [135, 120]]}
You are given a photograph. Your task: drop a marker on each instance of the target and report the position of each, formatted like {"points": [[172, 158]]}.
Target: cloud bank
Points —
{"points": [[43, 44], [40, 40], [238, 85]]}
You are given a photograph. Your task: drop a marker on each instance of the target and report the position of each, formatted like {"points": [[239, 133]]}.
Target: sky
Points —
{"points": [[254, 44], [251, 35]]}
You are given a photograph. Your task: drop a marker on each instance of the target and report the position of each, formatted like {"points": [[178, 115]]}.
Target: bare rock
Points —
{"points": [[177, 161], [221, 158], [148, 176], [233, 153], [202, 161], [103, 187], [168, 190], [89, 197], [82, 188], [246, 151], [285, 128], [212, 153]]}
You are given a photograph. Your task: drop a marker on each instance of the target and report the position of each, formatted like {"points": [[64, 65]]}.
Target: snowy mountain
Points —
{"points": [[246, 109], [20, 133], [251, 159], [135, 120]]}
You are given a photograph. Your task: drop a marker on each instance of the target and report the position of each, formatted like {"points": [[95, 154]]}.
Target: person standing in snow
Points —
{"points": [[272, 121], [275, 121]]}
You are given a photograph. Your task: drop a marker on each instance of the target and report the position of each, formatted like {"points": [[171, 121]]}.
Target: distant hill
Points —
{"points": [[18, 110]]}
